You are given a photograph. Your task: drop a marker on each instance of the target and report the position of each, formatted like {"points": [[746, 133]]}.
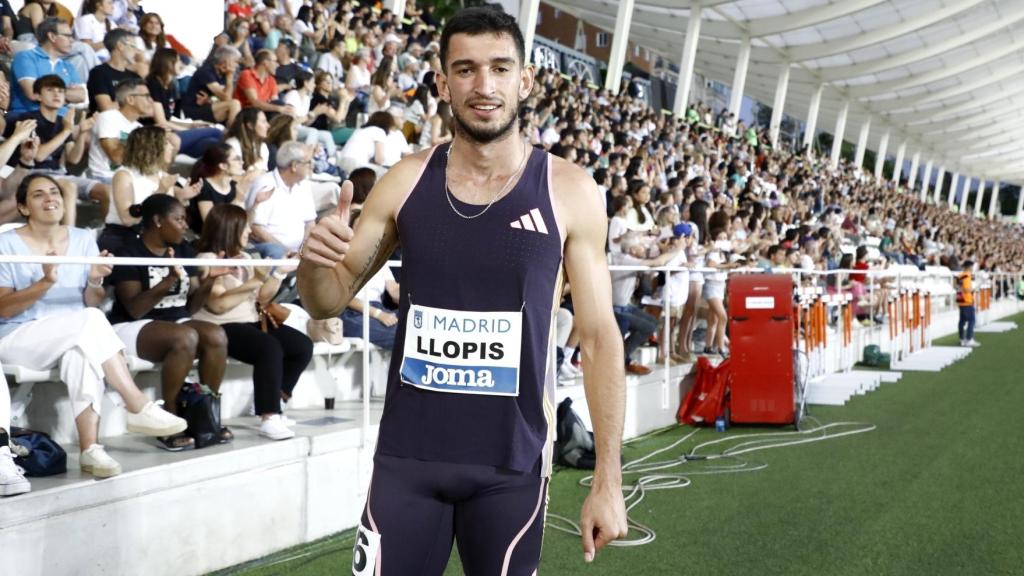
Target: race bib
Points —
{"points": [[364, 552], [462, 352]]}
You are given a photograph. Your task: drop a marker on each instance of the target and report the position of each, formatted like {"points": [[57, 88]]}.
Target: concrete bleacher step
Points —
{"points": [[212, 508], [932, 359]]}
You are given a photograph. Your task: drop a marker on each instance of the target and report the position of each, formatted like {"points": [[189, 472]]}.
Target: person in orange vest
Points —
{"points": [[965, 300]]}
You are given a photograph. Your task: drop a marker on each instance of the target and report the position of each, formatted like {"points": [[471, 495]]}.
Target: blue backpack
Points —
{"points": [[45, 457]]}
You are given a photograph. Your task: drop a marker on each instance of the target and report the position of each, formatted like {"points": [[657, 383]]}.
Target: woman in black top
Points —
{"points": [[153, 304], [161, 80]]}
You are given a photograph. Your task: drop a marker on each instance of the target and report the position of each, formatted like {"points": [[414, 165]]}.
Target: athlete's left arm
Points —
{"points": [[584, 223]]}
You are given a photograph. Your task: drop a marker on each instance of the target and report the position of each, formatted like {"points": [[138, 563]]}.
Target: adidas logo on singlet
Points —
{"points": [[532, 221]]}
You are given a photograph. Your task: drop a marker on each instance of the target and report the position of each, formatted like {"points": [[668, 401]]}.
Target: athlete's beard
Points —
{"points": [[485, 135]]}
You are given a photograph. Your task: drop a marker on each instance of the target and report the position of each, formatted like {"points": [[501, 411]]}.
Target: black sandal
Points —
{"points": [[225, 435], [176, 442]]}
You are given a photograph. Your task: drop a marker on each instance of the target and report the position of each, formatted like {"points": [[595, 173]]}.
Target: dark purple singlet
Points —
{"points": [[507, 260]]}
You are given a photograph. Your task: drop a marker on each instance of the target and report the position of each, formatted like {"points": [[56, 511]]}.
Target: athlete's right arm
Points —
{"points": [[336, 261]]}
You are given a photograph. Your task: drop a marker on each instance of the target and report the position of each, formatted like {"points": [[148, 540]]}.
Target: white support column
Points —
{"points": [[965, 191], [396, 6], [527, 23], [739, 77], [779, 104], [862, 144], [993, 200], [812, 119], [952, 190], [620, 44], [926, 179], [837, 140], [883, 149], [915, 163], [688, 58], [978, 197], [938, 185], [1020, 206], [897, 169]]}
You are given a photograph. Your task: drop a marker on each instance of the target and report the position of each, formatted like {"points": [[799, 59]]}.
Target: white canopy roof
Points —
{"points": [[944, 75]]}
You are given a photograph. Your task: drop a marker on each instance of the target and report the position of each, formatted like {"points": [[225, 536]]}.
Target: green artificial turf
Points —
{"points": [[936, 489]]}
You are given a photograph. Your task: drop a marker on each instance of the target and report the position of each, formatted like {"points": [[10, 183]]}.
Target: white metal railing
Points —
{"points": [[903, 277]]}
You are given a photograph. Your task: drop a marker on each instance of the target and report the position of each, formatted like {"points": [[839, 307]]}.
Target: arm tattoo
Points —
{"points": [[377, 259]]}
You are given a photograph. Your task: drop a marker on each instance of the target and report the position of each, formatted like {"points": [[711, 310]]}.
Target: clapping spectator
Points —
{"points": [[278, 353], [282, 221], [153, 305], [49, 319]]}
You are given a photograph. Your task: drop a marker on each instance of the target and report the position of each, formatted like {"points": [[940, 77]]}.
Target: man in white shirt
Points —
{"points": [[113, 127], [281, 222], [330, 61]]}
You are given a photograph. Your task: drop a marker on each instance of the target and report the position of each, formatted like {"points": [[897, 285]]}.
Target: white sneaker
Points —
{"points": [[568, 372], [972, 343], [275, 429], [95, 461], [153, 420], [12, 477], [288, 421]]}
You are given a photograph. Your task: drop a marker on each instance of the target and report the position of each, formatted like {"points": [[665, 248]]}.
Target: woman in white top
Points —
{"points": [[639, 217], [618, 226], [366, 146], [695, 215], [300, 98], [384, 87], [94, 23], [49, 319], [148, 153], [277, 353], [248, 136]]}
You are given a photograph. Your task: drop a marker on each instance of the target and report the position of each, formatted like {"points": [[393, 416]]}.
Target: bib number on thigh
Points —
{"points": [[462, 352], [364, 552]]}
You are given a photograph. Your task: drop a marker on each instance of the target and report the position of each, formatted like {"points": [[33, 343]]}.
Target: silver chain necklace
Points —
{"points": [[504, 189]]}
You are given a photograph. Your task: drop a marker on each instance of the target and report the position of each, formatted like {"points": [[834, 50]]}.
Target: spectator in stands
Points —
{"points": [[332, 106], [281, 222], [331, 61], [237, 32], [964, 302], [48, 319], [367, 145], [300, 100], [636, 325], [287, 67], [278, 353], [147, 157], [47, 58], [153, 305], [10, 149], [283, 128], [106, 152], [122, 65], [209, 96], [248, 135], [257, 87], [223, 181], [151, 32], [719, 251], [94, 23]]}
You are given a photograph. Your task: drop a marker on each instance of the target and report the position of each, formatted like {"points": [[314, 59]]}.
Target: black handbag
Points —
{"points": [[200, 408], [45, 457]]}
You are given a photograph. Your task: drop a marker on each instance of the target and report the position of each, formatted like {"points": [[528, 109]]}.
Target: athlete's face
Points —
{"points": [[484, 82]]}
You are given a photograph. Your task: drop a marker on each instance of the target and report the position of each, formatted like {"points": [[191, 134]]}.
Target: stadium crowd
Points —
{"points": [[233, 154]]}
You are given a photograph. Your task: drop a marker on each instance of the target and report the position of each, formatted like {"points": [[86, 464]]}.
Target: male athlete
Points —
{"points": [[486, 225]]}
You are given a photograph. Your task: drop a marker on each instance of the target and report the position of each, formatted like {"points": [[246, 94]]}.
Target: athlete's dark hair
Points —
{"points": [[482, 20]]}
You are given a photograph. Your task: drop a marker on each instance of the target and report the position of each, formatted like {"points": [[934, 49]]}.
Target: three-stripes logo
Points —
{"points": [[532, 221]]}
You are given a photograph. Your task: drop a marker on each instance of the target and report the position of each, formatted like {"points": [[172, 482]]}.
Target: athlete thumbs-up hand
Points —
{"points": [[328, 241]]}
